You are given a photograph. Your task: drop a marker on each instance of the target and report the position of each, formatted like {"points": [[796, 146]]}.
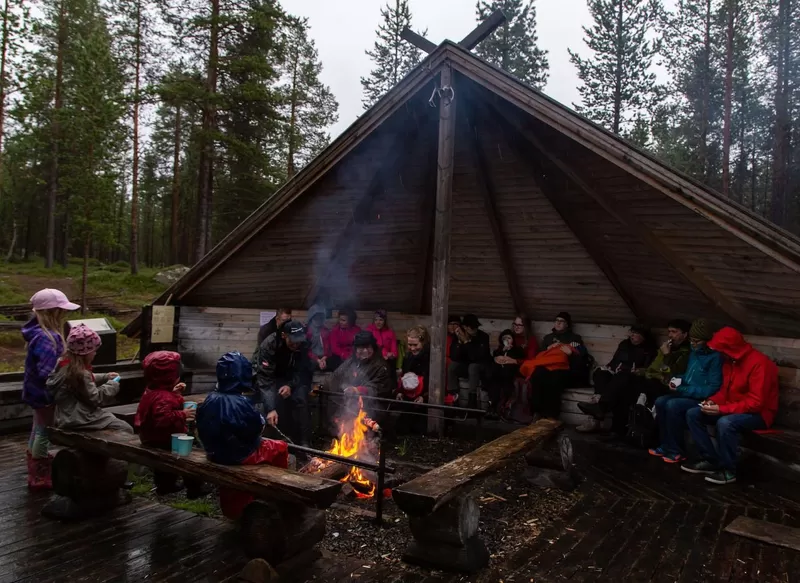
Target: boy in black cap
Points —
{"points": [[283, 376], [470, 353]]}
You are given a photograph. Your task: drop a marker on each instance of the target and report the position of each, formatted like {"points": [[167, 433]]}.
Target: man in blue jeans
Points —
{"points": [[703, 378], [747, 401]]}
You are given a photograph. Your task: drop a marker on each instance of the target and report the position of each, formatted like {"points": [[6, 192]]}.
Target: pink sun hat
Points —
{"points": [[47, 299]]}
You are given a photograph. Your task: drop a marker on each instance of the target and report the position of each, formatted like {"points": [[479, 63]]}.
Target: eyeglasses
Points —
{"points": [[518, 324], [560, 321]]}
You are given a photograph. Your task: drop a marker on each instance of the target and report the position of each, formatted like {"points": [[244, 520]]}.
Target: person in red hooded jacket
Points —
{"points": [[747, 401], [161, 413]]}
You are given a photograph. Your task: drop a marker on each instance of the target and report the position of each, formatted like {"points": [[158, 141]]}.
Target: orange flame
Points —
{"points": [[350, 444]]}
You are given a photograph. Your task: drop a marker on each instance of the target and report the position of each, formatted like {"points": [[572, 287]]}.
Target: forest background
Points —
{"points": [[138, 133]]}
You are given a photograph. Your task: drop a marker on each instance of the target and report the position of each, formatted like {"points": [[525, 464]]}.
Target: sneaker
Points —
{"points": [[589, 426], [658, 452], [701, 467], [722, 477], [673, 458], [592, 409]]}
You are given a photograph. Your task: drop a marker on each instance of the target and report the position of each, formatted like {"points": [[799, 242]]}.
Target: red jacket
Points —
{"points": [[387, 341], [342, 341], [749, 380], [160, 412]]}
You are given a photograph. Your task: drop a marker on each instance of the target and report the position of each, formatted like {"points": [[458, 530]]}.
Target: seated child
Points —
{"points": [[160, 414], [78, 400], [230, 428], [505, 369]]}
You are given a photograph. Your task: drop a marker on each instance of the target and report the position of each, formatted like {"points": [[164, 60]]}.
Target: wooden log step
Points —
{"points": [[425, 494], [767, 532], [262, 481]]}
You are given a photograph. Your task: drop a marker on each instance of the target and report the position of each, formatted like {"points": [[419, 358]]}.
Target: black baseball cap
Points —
{"points": [[295, 331]]}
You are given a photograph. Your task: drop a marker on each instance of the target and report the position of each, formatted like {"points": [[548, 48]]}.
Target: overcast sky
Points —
{"points": [[344, 29]]}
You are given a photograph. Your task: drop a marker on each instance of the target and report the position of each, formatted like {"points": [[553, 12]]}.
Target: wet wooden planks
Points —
{"points": [[142, 541]]}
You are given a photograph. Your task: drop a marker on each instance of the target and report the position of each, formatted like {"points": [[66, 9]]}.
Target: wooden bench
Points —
{"points": [[286, 519], [127, 413], [443, 518]]}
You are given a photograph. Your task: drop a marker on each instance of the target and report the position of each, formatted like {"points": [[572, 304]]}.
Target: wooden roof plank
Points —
{"points": [[488, 194], [724, 213], [523, 146], [731, 307]]}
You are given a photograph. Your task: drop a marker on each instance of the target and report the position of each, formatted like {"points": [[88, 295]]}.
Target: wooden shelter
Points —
{"points": [[464, 190]]}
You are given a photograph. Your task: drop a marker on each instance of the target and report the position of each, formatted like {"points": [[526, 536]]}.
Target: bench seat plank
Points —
{"points": [[430, 491], [768, 532], [127, 413], [262, 481]]}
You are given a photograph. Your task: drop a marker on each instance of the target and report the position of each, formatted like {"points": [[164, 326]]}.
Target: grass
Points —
{"points": [[144, 487], [202, 507], [133, 290], [402, 448]]}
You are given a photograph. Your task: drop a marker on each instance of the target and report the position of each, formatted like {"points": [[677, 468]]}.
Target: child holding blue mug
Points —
{"points": [[162, 412]]}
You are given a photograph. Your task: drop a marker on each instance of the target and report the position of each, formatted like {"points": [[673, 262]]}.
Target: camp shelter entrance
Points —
{"points": [[463, 190]]}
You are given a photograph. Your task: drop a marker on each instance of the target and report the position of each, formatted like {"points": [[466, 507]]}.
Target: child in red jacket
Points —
{"points": [[160, 414]]}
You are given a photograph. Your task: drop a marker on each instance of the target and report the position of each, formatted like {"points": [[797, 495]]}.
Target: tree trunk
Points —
{"points": [[87, 245], [29, 231], [293, 117], [204, 182], [3, 57], [13, 241], [618, 74], [135, 177], [705, 104], [732, 8], [176, 189], [780, 152], [57, 104]]}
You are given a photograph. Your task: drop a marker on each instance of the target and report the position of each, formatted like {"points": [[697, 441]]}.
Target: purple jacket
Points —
{"points": [[40, 361]]}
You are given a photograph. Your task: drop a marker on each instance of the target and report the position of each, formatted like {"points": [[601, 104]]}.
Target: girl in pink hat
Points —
{"points": [[45, 345], [79, 401]]}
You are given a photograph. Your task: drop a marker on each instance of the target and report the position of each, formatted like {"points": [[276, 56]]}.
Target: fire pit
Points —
{"points": [[359, 440]]}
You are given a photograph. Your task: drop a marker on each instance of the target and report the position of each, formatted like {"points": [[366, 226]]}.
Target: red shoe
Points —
{"points": [[658, 452], [39, 478], [673, 458]]}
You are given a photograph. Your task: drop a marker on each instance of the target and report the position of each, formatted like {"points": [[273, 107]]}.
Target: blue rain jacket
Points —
{"points": [[703, 375], [228, 424]]}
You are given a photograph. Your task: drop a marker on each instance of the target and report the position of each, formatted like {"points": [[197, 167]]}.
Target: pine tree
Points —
{"points": [[310, 107], [136, 36], [514, 46], [392, 56], [618, 84]]}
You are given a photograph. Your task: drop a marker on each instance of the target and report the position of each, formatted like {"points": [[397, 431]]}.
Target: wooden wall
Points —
{"points": [[207, 333]]}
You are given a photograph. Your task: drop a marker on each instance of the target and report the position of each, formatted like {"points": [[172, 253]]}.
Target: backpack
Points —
{"points": [[642, 427]]}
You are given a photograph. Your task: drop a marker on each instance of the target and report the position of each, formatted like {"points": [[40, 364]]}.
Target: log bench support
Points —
{"points": [[85, 485], [448, 538], [277, 532], [443, 517]]}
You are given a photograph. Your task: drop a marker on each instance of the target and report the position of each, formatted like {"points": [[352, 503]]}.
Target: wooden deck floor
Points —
{"points": [[640, 520], [142, 541]]}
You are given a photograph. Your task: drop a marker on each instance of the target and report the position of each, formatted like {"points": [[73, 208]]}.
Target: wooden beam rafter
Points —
{"points": [[417, 40], [525, 150], [729, 306], [484, 29], [488, 195]]}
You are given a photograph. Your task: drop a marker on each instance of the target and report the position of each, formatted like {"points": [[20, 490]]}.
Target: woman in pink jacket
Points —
{"points": [[387, 341], [341, 338]]}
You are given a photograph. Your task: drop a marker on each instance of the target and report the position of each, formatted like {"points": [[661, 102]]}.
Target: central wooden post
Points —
{"points": [[441, 246]]}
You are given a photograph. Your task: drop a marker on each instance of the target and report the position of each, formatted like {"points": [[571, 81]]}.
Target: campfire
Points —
{"points": [[353, 442]]}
